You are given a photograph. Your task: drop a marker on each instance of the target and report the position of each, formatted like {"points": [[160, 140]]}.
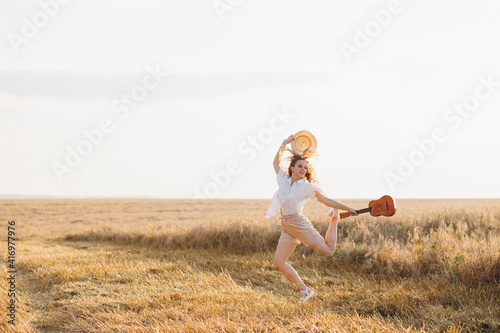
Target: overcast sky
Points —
{"points": [[183, 99]]}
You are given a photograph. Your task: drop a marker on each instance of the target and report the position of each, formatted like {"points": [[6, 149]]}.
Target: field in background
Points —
{"points": [[99, 265]]}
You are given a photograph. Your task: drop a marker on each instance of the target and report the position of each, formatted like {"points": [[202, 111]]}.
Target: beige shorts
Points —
{"points": [[296, 228]]}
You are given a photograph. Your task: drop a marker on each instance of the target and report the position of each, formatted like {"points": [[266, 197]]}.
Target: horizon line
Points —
{"points": [[15, 196]]}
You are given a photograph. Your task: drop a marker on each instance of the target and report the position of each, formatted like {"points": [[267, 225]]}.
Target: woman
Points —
{"points": [[294, 190]]}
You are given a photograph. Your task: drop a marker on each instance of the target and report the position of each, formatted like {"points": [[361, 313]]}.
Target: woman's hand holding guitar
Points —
{"points": [[353, 211]]}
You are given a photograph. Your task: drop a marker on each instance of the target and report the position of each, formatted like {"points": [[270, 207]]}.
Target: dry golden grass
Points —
{"points": [[184, 265]]}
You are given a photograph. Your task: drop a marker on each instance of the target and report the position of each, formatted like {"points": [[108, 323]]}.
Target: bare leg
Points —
{"points": [[327, 246], [282, 253], [331, 234]]}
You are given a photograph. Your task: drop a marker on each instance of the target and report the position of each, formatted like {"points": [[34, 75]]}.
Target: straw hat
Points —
{"points": [[302, 141]]}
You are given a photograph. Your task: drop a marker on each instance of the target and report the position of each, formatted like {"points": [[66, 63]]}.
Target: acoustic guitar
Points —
{"points": [[385, 206]]}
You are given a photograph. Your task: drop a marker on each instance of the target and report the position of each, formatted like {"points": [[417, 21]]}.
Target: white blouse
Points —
{"points": [[291, 198]]}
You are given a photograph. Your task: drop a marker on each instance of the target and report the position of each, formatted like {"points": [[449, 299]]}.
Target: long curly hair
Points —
{"points": [[294, 158]]}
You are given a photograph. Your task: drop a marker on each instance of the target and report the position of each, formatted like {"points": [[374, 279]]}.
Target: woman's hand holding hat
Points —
{"points": [[288, 140]]}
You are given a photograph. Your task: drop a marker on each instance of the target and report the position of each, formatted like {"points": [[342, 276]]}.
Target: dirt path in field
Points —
{"points": [[38, 293], [47, 284]]}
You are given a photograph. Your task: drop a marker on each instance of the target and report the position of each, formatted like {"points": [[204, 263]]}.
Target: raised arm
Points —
{"points": [[277, 158], [334, 204]]}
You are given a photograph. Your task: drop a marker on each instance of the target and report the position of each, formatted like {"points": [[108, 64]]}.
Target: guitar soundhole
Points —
{"points": [[378, 207]]}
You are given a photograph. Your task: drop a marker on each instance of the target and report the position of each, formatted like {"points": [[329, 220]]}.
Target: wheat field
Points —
{"points": [[158, 265]]}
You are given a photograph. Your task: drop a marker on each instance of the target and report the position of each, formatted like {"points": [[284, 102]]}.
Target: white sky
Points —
{"points": [[225, 79]]}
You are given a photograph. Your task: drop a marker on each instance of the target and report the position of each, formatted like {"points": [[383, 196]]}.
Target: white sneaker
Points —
{"points": [[305, 295]]}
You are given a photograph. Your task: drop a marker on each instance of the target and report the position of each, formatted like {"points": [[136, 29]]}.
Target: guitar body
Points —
{"points": [[384, 206]]}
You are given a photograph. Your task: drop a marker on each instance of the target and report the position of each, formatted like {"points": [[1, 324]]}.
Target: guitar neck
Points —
{"points": [[360, 211]]}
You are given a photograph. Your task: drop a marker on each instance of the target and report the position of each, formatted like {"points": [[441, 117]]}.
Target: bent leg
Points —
{"points": [[282, 253], [327, 246]]}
